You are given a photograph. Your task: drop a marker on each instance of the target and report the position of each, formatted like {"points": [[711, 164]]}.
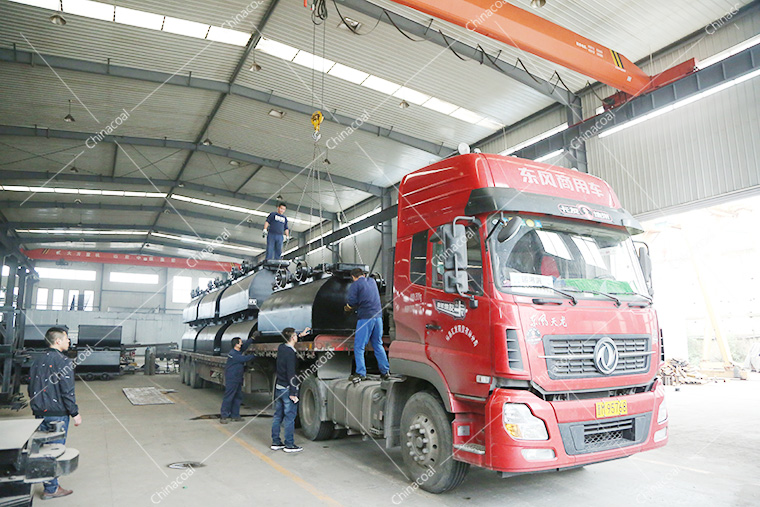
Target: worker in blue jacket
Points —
{"points": [[233, 380], [364, 297]]}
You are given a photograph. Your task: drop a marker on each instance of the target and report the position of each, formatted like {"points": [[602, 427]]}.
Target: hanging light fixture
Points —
{"points": [[207, 142], [57, 19], [68, 118], [537, 4], [403, 104], [255, 67]]}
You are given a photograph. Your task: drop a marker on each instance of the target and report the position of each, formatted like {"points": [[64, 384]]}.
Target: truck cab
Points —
{"points": [[520, 300]]}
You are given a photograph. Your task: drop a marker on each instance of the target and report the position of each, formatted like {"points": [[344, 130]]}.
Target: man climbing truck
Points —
{"points": [[522, 334]]}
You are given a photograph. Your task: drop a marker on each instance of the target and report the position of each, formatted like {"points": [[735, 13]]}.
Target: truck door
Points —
{"points": [[458, 336]]}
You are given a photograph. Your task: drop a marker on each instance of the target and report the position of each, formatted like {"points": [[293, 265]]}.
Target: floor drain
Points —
{"points": [[181, 465]]}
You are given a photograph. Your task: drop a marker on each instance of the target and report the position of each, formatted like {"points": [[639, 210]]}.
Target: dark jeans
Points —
{"points": [[233, 397], [284, 409], [274, 246], [52, 486]]}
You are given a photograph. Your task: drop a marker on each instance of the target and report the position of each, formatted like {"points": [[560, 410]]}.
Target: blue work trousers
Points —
{"points": [[370, 330], [274, 246], [233, 397], [284, 411]]}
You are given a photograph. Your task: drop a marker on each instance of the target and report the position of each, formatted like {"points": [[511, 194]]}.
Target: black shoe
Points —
{"points": [[223, 420], [294, 448], [277, 447], [237, 419], [385, 376], [357, 378]]}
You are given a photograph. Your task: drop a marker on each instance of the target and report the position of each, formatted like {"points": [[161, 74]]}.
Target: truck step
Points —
{"points": [[473, 448]]}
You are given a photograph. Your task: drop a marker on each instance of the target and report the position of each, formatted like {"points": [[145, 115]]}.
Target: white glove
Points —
{"points": [[264, 233]]}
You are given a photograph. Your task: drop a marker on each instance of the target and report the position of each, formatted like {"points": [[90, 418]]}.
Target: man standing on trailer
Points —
{"points": [[286, 392], [364, 296], [275, 230], [233, 380], [51, 394]]}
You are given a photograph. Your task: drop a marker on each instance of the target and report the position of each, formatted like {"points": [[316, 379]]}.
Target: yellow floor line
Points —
{"points": [[266, 459]]}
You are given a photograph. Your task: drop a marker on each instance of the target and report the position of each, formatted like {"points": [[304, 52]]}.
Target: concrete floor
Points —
{"points": [[712, 459]]}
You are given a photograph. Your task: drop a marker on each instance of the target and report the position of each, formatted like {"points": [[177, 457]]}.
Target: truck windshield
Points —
{"points": [[590, 260]]}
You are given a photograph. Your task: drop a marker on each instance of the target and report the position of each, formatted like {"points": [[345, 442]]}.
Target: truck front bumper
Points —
{"points": [[577, 435]]}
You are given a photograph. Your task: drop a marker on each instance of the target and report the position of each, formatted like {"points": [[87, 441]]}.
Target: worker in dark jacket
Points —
{"points": [[364, 297], [233, 380], [286, 392], [51, 394], [276, 231]]}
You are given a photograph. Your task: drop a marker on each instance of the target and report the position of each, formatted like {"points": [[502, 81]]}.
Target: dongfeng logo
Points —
{"points": [[606, 355], [455, 309]]}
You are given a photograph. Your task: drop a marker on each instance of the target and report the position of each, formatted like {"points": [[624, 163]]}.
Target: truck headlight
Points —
{"points": [[662, 414], [521, 424]]}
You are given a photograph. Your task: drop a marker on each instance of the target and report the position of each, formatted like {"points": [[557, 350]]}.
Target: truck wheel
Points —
{"points": [[196, 382], [427, 445], [309, 406]]}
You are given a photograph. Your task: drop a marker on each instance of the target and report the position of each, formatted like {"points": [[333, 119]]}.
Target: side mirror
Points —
{"points": [[646, 267], [454, 258], [509, 230]]}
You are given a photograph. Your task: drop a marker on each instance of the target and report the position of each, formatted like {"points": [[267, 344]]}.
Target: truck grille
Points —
{"points": [[573, 356], [595, 436], [608, 434]]}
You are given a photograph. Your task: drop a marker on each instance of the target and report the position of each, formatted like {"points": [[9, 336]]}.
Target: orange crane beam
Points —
{"points": [[531, 33]]}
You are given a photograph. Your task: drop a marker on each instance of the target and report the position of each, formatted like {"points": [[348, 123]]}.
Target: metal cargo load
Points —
{"points": [[318, 305]]}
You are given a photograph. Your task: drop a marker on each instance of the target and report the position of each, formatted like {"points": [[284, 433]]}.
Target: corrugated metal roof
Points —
{"points": [[387, 54], [97, 40], [40, 98], [242, 15], [246, 126]]}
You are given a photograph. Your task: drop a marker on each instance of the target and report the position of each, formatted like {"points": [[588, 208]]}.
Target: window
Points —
{"points": [[73, 300], [57, 299], [203, 282], [83, 275], [181, 287], [143, 278], [418, 262], [89, 300], [42, 297]]}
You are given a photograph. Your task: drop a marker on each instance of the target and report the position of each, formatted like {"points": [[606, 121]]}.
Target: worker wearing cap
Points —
{"points": [[276, 230], [364, 296], [233, 380]]}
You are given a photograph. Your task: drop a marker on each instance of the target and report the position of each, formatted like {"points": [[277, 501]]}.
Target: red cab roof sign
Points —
{"points": [[537, 178]]}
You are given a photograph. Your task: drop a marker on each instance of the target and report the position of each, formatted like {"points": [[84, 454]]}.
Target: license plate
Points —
{"points": [[611, 408]]}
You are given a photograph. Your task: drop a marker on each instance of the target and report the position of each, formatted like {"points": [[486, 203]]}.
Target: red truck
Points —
{"points": [[522, 336]]}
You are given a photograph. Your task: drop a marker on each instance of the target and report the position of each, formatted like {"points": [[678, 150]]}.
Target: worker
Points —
{"points": [[286, 392], [275, 231], [51, 394], [233, 380], [364, 296]]}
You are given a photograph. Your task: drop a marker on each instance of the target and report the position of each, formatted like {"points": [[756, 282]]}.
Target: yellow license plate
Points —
{"points": [[611, 408]]}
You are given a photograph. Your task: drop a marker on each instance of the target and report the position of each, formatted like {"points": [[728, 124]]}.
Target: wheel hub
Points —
{"points": [[422, 440]]}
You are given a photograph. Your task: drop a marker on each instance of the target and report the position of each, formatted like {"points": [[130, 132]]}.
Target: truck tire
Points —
{"points": [[196, 382], [309, 404], [427, 445]]}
